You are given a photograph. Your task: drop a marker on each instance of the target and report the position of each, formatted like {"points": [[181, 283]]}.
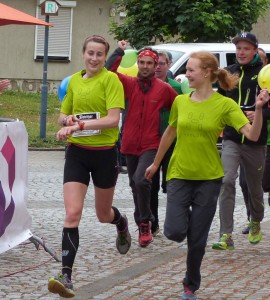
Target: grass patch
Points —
{"points": [[26, 108]]}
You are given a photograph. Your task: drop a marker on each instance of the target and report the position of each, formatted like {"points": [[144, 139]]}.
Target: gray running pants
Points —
{"points": [[191, 207], [252, 159]]}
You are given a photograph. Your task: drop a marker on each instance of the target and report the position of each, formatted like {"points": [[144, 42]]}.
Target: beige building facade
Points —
{"points": [[261, 29], [22, 46]]}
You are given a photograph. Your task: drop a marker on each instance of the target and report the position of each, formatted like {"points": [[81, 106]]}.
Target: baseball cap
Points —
{"points": [[246, 36]]}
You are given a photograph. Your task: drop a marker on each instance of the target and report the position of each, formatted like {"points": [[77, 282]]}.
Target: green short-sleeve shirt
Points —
{"points": [[96, 94], [198, 126]]}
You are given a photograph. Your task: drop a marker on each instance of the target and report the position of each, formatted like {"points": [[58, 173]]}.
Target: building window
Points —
{"points": [[60, 35]]}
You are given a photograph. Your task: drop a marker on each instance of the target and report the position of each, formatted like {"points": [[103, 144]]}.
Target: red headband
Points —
{"points": [[150, 53]]}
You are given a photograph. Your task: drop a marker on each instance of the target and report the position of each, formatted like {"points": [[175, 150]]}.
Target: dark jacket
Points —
{"points": [[144, 106], [245, 95]]}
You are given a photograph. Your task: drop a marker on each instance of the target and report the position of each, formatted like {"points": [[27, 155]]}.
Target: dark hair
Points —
{"points": [[209, 62], [259, 48], [97, 39]]}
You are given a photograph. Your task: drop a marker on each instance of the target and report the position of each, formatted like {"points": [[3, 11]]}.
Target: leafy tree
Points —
{"points": [[149, 21]]}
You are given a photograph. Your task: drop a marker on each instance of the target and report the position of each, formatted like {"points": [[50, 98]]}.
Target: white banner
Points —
{"points": [[15, 221]]}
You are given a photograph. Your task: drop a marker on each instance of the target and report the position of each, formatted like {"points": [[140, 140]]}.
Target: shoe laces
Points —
{"points": [[63, 278], [255, 227], [122, 235], [144, 229], [225, 237]]}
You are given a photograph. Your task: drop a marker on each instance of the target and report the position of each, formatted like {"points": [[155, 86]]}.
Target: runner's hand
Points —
{"points": [[150, 172], [262, 98]]}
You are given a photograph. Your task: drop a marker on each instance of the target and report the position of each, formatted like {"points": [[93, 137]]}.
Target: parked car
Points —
{"points": [[225, 53]]}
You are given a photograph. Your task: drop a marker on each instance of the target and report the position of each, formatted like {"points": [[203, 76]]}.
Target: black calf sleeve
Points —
{"points": [[117, 216], [70, 244], [118, 220]]}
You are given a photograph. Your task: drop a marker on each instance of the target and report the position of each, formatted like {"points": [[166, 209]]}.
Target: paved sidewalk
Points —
{"points": [[100, 272]]}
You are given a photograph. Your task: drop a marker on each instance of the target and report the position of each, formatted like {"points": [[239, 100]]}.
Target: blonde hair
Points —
{"points": [[165, 55], [209, 62]]}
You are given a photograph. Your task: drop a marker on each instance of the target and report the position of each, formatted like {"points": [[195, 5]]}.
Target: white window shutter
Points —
{"points": [[59, 45]]}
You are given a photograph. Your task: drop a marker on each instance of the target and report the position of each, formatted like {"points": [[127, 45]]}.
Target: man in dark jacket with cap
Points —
{"points": [[237, 149]]}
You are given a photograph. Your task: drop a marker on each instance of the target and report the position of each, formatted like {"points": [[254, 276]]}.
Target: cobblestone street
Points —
{"points": [[100, 272]]}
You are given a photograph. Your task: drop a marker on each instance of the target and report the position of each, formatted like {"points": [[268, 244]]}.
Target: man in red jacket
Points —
{"points": [[146, 98]]}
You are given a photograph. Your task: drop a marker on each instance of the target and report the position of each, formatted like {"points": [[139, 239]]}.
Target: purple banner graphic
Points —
{"points": [[5, 214], [8, 152]]}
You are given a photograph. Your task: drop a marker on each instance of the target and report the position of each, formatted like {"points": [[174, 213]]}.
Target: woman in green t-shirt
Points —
{"points": [[195, 171], [89, 117]]}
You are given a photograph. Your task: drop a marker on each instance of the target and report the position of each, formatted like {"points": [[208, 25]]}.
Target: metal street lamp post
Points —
{"points": [[48, 8]]}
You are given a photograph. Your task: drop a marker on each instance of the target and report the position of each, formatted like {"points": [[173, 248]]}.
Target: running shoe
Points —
{"points": [[225, 243], [255, 234], [61, 285], [123, 240], [188, 294], [245, 230], [145, 235], [155, 231]]}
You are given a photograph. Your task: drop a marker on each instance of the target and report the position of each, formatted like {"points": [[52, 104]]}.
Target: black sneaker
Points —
{"points": [[123, 240], [61, 285], [245, 230], [155, 230]]}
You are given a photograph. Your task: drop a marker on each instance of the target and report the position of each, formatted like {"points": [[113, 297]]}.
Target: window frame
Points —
{"points": [[65, 23]]}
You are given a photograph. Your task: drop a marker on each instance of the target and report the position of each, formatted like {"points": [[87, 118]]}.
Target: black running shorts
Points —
{"points": [[101, 164]]}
